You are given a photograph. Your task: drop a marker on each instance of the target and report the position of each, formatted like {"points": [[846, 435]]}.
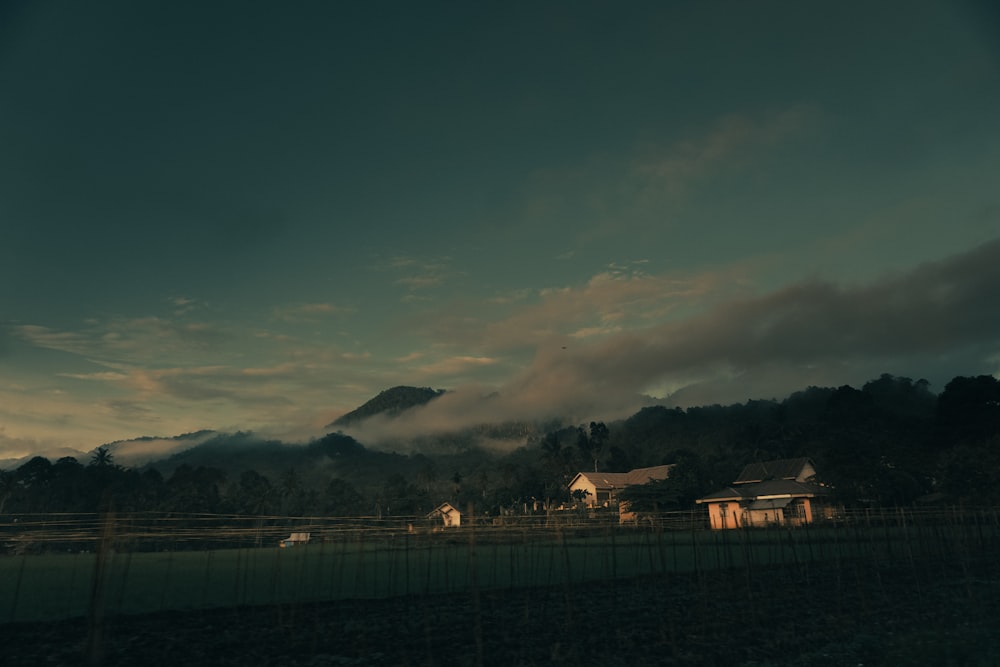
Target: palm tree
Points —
{"points": [[102, 457]]}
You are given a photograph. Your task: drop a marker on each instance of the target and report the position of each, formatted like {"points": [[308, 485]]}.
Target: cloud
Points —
{"points": [[418, 273], [183, 305], [731, 139], [611, 195], [615, 299], [132, 411], [139, 339], [759, 346], [13, 447], [936, 309], [310, 311], [140, 451], [4, 340], [422, 281], [452, 366]]}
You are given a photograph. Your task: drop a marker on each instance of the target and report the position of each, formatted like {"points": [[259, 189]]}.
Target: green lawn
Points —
{"points": [[52, 586]]}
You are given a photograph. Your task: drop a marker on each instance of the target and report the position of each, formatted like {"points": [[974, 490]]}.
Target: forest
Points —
{"points": [[891, 443]]}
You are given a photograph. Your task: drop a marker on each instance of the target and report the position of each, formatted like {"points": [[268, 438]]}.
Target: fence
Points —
{"points": [[57, 564]]}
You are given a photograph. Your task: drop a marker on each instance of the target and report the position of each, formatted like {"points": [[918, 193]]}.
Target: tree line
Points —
{"points": [[892, 442]]}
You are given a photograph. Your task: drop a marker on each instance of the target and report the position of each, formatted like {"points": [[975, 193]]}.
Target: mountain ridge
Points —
{"points": [[389, 402]]}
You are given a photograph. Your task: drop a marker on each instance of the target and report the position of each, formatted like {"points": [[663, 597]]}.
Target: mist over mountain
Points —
{"points": [[142, 450], [132, 452], [408, 419], [891, 442], [332, 456]]}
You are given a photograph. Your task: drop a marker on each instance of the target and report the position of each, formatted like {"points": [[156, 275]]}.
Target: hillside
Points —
{"points": [[389, 403]]}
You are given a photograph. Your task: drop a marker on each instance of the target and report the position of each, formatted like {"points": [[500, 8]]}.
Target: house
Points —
{"points": [[446, 513], [600, 489], [294, 540], [781, 492]]}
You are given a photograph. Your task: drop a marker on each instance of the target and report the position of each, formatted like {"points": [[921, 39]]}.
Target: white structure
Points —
{"points": [[447, 513], [781, 492], [294, 540], [600, 489]]}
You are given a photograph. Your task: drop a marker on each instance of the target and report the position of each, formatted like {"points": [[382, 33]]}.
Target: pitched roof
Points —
{"points": [[777, 469], [644, 475], [619, 480], [728, 493], [443, 508], [784, 487], [774, 488]]}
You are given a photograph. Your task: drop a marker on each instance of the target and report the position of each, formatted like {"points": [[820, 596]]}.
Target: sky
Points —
{"points": [[256, 216]]}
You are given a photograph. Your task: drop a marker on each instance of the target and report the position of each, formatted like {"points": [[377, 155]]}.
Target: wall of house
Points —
{"points": [[448, 515], [737, 517], [807, 512], [583, 484], [768, 517], [603, 497], [725, 515]]}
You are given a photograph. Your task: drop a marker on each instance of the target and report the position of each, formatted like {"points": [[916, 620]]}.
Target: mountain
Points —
{"points": [[389, 403]]}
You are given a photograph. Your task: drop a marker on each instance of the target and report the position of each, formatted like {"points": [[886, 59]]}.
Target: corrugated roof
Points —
{"points": [[619, 480], [774, 487], [777, 469], [443, 508], [780, 487], [728, 493], [644, 475]]}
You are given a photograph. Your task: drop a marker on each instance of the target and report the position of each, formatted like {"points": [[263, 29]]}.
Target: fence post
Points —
{"points": [[95, 616]]}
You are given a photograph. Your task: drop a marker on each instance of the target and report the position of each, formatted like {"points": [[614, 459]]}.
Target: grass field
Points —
{"points": [[359, 564]]}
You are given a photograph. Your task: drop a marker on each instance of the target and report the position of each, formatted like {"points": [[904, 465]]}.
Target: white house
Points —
{"points": [[600, 489], [779, 492], [448, 514]]}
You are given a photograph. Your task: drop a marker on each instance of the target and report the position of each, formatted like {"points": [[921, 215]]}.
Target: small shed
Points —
{"points": [[294, 540], [447, 514]]}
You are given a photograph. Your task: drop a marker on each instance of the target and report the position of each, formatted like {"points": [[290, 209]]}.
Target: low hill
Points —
{"points": [[334, 455]]}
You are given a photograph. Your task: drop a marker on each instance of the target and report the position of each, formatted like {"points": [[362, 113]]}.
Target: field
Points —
{"points": [[869, 591]]}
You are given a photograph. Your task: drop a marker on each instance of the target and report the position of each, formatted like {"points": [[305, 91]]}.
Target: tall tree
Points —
{"points": [[102, 457]]}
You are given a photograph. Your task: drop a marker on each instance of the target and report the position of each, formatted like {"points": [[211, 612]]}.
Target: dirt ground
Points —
{"points": [[814, 615]]}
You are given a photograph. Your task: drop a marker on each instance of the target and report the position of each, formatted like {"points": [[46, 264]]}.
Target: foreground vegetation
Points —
{"points": [[129, 566], [883, 588]]}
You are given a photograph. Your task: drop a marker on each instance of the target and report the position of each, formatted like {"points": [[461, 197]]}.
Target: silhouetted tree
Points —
{"points": [[8, 485], [342, 499], [194, 489], [102, 457], [254, 494], [968, 410], [593, 446]]}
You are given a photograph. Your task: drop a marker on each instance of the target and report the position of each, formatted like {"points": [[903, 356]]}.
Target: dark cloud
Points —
{"points": [[130, 410], [813, 333], [936, 309]]}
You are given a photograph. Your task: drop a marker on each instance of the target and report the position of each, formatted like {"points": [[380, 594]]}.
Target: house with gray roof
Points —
{"points": [[780, 492]]}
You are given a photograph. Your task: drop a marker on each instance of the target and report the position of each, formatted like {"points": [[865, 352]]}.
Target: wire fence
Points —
{"points": [[72, 565]]}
